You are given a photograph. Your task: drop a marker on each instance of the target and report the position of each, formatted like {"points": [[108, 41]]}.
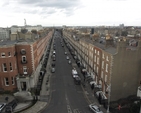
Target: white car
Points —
{"points": [[95, 108], [65, 53], [75, 75], [67, 57]]}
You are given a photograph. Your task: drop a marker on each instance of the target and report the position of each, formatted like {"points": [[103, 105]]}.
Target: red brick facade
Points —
{"points": [[20, 59]]}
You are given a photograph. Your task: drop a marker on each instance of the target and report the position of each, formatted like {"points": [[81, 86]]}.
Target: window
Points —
{"points": [[2, 54], [97, 52], [6, 81], [97, 60], [13, 80], [23, 58], [106, 67], [11, 66], [94, 58], [4, 67], [102, 74], [94, 67], [103, 56], [9, 54], [102, 64], [105, 78], [24, 69], [107, 58]]}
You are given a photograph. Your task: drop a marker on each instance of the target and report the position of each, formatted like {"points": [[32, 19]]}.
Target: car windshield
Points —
{"points": [[98, 109]]}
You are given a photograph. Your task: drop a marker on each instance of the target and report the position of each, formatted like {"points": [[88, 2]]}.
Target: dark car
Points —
{"points": [[77, 80], [53, 64], [11, 106]]}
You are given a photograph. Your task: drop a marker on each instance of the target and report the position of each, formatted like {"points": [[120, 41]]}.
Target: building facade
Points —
{"points": [[19, 61], [116, 68]]}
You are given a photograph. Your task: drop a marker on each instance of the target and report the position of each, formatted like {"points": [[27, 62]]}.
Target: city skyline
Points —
{"points": [[70, 12]]}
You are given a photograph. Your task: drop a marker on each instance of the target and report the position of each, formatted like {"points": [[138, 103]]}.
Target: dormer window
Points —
{"points": [[2, 54], [23, 52]]}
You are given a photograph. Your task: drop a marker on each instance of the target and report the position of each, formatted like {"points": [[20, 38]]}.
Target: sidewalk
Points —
{"points": [[44, 97]]}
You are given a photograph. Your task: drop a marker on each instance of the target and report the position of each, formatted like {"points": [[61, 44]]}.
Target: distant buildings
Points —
{"points": [[112, 62], [4, 33]]}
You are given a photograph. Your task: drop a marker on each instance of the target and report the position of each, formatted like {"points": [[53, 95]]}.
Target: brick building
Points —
{"points": [[19, 60], [114, 65]]}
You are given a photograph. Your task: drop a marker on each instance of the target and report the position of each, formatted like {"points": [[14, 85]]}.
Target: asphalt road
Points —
{"points": [[66, 97]]}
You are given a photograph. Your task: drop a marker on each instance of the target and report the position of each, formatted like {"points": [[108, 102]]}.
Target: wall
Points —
{"points": [[125, 72]]}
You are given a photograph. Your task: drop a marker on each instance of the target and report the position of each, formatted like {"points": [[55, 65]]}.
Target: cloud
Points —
{"points": [[42, 7]]}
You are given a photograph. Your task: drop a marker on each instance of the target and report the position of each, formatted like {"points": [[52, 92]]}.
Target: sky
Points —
{"points": [[70, 12]]}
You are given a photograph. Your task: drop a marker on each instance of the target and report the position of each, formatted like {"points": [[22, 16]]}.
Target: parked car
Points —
{"points": [[53, 64], [95, 108], [53, 69], [65, 52], [67, 57], [69, 62], [54, 59], [2, 106], [74, 73], [77, 80], [11, 106]]}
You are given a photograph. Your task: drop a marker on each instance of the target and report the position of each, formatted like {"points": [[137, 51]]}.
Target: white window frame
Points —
{"points": [[106, 67], [24, 70], [97, 52], [102, 64], [6, 82], [107, 58], [4, 67], [103, 56], [94, 67], [97, 60], [2, 55], [23, 58], [13, 80]]}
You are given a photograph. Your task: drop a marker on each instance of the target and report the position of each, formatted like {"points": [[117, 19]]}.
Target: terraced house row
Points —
{"points": [[19, 59], [115, 65]]}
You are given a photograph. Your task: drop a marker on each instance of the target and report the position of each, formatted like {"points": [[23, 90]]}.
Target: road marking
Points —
{"points": [[69, 109], [76, 111]]}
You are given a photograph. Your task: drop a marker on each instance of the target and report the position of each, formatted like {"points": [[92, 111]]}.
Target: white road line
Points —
{"points": [[69, 109]]}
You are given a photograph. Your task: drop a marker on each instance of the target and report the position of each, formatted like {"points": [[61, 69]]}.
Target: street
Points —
{"points": [[66, 97]]}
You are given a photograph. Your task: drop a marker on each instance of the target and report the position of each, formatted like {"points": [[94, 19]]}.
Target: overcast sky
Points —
{"points": [[70, 12]]}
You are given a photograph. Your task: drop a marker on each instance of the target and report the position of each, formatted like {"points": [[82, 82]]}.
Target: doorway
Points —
{"points": [[23, 86]]}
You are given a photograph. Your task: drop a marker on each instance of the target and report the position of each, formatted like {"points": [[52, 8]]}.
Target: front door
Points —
{"points": [[23, 86]]}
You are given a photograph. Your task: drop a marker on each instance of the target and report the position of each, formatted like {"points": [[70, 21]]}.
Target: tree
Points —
{"points": [[34, 31]]}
